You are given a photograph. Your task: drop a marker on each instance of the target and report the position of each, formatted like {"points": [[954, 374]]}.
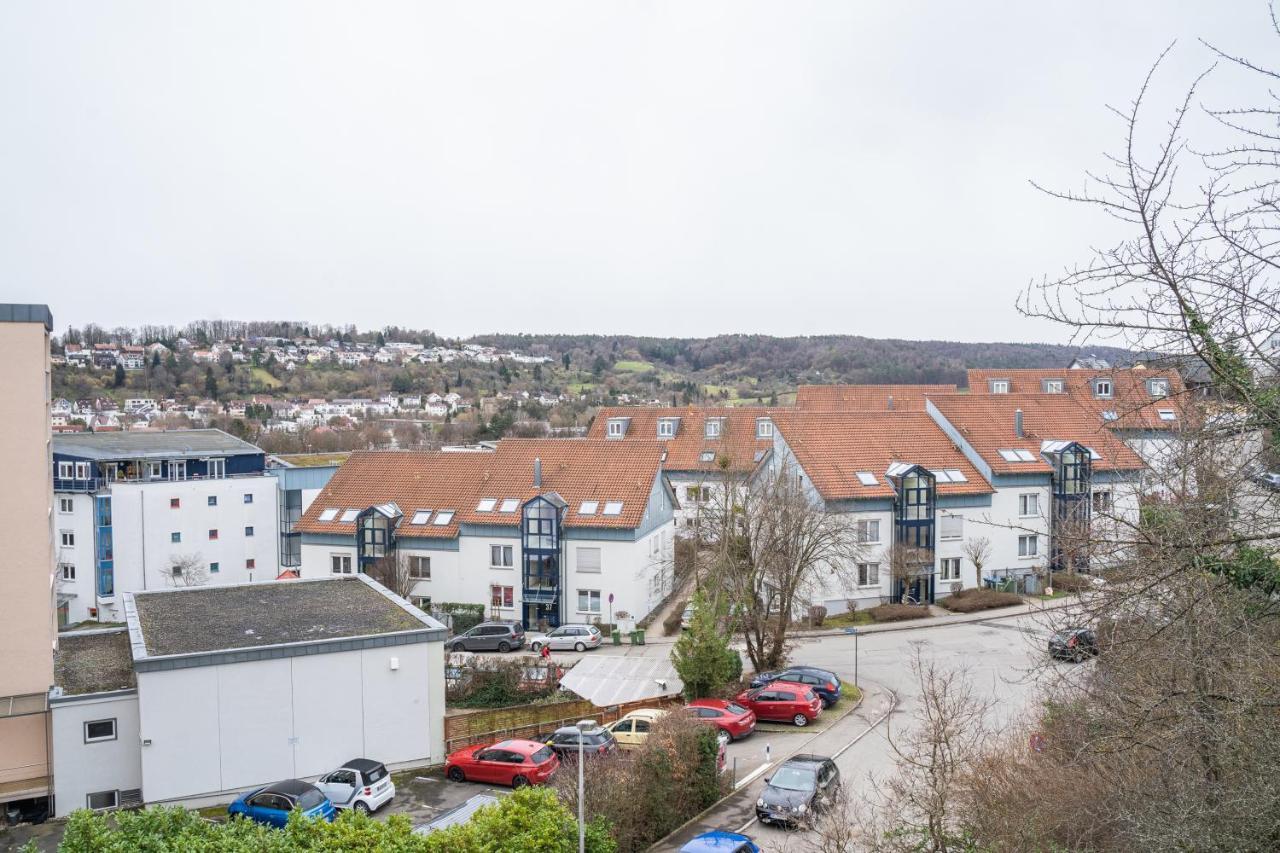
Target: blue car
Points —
{"points": [[720, 841], [271, 805]]}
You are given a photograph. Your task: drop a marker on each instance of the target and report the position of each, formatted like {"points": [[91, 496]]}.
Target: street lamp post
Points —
{"points": [[583, 725], [855, 658]]}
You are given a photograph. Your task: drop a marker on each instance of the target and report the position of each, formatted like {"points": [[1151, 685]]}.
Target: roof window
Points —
{"points": [[1167, 414], [486, 505], [1110, 415], [867, 478], [509, 505], [1017, 455], [329, 515], [952, 475], [588, 507], [349, 515], [443, 517], [708, 456], [421, 516], [612, 508]]}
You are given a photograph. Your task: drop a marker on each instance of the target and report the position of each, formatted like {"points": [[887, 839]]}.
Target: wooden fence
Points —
{"points": [[532, 722]]}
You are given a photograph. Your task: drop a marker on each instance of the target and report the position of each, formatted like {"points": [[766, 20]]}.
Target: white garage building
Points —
{"points": [[238, 686]]}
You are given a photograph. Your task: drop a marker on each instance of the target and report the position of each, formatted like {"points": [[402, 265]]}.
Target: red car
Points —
{"points": [[509, 762], [784, 701], [729, 717]]}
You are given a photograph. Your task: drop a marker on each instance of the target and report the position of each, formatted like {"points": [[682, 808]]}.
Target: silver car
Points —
{"points": [[576, 638]]}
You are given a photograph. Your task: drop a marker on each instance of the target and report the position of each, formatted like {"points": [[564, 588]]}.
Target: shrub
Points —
{"points": [[464, 616], [973, 600], [671, 624], [817, 615], [898, 612], [1069, 582]]}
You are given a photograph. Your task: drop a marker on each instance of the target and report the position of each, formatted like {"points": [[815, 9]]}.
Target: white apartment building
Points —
{"points": [[539, 530], [138, 511]]}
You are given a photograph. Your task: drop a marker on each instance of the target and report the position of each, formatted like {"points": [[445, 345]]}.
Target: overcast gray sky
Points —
{"points": [[683, 168]]}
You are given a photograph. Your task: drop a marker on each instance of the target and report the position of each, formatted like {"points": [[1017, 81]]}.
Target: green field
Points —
{"points": [[633, 366], [262, 376]]}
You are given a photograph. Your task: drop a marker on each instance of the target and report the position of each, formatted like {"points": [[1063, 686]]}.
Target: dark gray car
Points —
{"points": [[799, 787], [490, 637]]}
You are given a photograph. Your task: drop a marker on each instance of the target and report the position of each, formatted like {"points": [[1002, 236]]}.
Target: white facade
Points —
{"points": [[232, 540], [265, 720], [84, 766]]}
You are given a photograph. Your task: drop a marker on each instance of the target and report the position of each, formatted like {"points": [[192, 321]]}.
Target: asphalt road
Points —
{"points": [[1004, 660]]}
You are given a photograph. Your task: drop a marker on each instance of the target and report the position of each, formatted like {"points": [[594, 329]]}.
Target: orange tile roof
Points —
{"points": [[684, 452], [986, 421], [576, 469], [867, 398], [833, 447], [1131, 400]]}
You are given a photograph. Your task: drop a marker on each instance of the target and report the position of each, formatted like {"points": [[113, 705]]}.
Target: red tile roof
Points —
{"points": [[576, 469], [867, 398], [1131, 400], [986, 422], [833, 447], [684, 452]]}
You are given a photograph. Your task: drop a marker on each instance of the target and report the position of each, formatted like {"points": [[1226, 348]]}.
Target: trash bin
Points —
{"points": [[632, 635], [640, 638], [617, 638]]}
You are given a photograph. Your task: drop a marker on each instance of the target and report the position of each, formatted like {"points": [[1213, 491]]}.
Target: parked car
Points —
{"points": [[360, 784], [686, 618], [733, 719], [490, 637], [824, 682], [271, 805], [633, 730], [800, 786], [1073, 644], [1270, 479], [595, 741], [720, 841], [577, 638], [509, 762], [783, 701]]}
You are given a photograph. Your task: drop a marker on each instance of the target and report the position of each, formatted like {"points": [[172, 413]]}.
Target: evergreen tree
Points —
{"points": [[702, 655], [210, 384], [119, 378]]}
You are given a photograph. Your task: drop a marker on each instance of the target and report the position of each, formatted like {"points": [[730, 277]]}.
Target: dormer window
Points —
{"points": [[712, 429], [999, 386], [1102, 388], [1158, 387], [666, 427], [764, 428], [1053, 386], [617, 427]]}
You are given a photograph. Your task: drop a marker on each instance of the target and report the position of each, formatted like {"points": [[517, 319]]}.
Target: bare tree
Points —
{"points": [[186, 570], [394, 572], [772, 549], [918, 810]]}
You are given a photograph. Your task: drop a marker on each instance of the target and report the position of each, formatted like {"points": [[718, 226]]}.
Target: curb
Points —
{"points": [[753, 775], [933, 621]]}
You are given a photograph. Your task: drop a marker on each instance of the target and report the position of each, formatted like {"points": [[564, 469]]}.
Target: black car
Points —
{"points": [[489, 637], [799, 787], [1073, 644], [595, 741], [824, 683]]}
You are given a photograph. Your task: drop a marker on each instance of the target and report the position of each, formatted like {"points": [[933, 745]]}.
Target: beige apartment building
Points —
{"points": [[28, 630]]}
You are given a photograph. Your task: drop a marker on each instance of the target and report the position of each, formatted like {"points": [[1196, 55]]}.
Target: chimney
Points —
{"points": [[537, 467], [891, 402], [1017, 422]]}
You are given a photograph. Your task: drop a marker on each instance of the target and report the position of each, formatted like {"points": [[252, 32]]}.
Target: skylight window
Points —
{"points": [[612, 508], [486, 505], [443, 517], [421, 516], [708, 456], [349, 515], [867, 478], [956, 475], [329, 515], [1017, 456], [509, 505], [1110, 415], [588, 507], [1167, 414]]}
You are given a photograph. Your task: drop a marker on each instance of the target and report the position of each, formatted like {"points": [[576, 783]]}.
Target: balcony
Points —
{"points": [[61, 484]]}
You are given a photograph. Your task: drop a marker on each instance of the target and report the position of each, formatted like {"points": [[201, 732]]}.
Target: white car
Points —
{"points": [[360, 784], [576, 638]]}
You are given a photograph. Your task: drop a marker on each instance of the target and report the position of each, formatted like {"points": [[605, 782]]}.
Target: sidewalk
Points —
{"points": [[916, 624]]}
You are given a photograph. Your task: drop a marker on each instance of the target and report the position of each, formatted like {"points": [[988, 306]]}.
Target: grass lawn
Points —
{"points": [[633, 366], [580, 387], [848, 620], [261, 375]]}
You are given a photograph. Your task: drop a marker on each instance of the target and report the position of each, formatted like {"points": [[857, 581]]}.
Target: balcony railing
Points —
{"points": [[93, 484]]}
